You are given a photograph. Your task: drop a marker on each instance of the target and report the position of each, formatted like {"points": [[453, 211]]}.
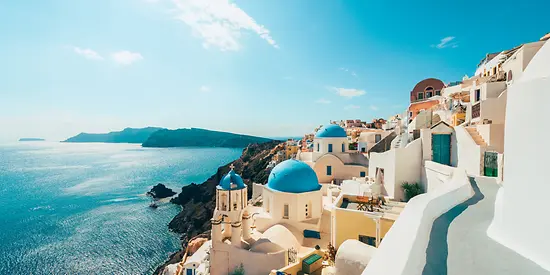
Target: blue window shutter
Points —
{"points": [[329, 170], [343, 147], [330, 148], [362, 174]]}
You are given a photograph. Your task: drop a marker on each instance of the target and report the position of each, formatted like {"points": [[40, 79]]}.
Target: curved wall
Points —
{"points": [[403, 250]]}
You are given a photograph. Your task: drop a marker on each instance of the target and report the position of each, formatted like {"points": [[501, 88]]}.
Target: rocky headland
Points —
{"points": [[198, 200]]}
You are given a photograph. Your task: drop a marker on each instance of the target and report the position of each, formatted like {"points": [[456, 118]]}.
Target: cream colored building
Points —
{"points": [[331, 158], [369, 138]]}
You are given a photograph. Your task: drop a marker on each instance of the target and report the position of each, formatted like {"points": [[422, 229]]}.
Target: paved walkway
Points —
{"points": [[459, 243]]}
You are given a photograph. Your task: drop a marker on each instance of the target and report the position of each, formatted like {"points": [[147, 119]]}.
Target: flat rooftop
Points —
{"points": [[389, 210]]}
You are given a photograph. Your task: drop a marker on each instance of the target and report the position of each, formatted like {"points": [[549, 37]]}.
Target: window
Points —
{"points": [[420, 95], [438, 92], [410, 114], [329, 170], [429, 94], [362, 174], [343, 147], [317, 147], [377, 138], [190, 271], [285, 211], [364, 149], [478, 95], [330, 148], [368, 240], [308, 213]]}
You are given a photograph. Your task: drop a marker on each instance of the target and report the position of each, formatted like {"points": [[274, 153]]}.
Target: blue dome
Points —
{"points": [[232, 181], [293, 176], [331, 131]]}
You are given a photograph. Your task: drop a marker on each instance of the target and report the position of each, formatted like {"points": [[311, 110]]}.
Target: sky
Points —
{"points": [[267, 68]]}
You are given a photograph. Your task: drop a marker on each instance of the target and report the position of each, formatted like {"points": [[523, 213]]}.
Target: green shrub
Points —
{"points": [[411, 190], [238, 271]]}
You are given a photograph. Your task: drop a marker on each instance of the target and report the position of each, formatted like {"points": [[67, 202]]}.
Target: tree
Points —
{"points": [[411, 190]]}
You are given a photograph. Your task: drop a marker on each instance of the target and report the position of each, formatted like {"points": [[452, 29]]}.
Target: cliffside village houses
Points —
{"points": [[335, 203]]}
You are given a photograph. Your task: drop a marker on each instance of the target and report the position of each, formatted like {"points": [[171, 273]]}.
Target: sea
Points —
{"points": [[80, 208]]}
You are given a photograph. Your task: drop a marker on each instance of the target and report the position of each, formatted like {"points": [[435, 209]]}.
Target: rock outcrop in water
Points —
{"points": [[198, 200], [160, 191]]}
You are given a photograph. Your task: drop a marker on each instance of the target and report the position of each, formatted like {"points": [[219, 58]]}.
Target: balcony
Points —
{"points": [[476, 110]]}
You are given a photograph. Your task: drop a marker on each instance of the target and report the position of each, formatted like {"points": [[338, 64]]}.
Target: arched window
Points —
{"points": [[429, 92], [224, 202]]}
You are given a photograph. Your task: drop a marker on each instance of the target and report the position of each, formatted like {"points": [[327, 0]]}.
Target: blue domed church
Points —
{"points": [[293, 193], [331, 158]]}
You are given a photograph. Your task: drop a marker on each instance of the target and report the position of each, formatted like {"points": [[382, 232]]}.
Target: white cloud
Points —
{"points": [[348, 92], [126, 57], [374, 107], [348, 71], [205, 89], [446, 42], [219, 23], [351, 107], [322, 101], [87, 53]]}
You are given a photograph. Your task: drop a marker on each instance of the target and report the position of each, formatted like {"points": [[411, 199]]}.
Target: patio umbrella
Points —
{"points": [[376, 187]]}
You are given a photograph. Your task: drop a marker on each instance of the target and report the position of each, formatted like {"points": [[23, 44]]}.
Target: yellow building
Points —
{"points": [[351, 220], [291, 149]]}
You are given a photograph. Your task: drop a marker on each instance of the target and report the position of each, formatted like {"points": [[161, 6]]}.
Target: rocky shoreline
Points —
{"points": [[198, 200]]}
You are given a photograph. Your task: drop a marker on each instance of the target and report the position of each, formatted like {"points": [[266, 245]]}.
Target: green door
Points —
{"points": [[490, 167], [441, 148]]}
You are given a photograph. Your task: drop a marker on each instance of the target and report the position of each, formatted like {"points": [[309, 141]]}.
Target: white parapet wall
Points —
{"points": [[525, 230], [403, 251]]}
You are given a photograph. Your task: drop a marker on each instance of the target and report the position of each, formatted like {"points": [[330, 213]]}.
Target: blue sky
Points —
{"points": [[270, 68]]}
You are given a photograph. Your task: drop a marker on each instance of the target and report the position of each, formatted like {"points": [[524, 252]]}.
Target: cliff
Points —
{"points": [[128, 135], [195, 137], [198, 200]]}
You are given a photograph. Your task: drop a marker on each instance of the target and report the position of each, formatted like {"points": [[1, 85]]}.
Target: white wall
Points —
{"points": [[257, 190], [493, 134], [525, 166], [225, 258], [296, 203], [403, 250], [400, 165], [468, 152], [323, 146]]}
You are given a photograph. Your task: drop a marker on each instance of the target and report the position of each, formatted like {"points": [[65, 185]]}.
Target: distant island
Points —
{"points": [[128, 135], [195, 137], [31, 139]]}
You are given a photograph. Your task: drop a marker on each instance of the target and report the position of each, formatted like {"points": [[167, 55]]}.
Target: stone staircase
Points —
{"points": [[476, 136]]}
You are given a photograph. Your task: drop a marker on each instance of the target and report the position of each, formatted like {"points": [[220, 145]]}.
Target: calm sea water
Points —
{"points": [[70, 208]]}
